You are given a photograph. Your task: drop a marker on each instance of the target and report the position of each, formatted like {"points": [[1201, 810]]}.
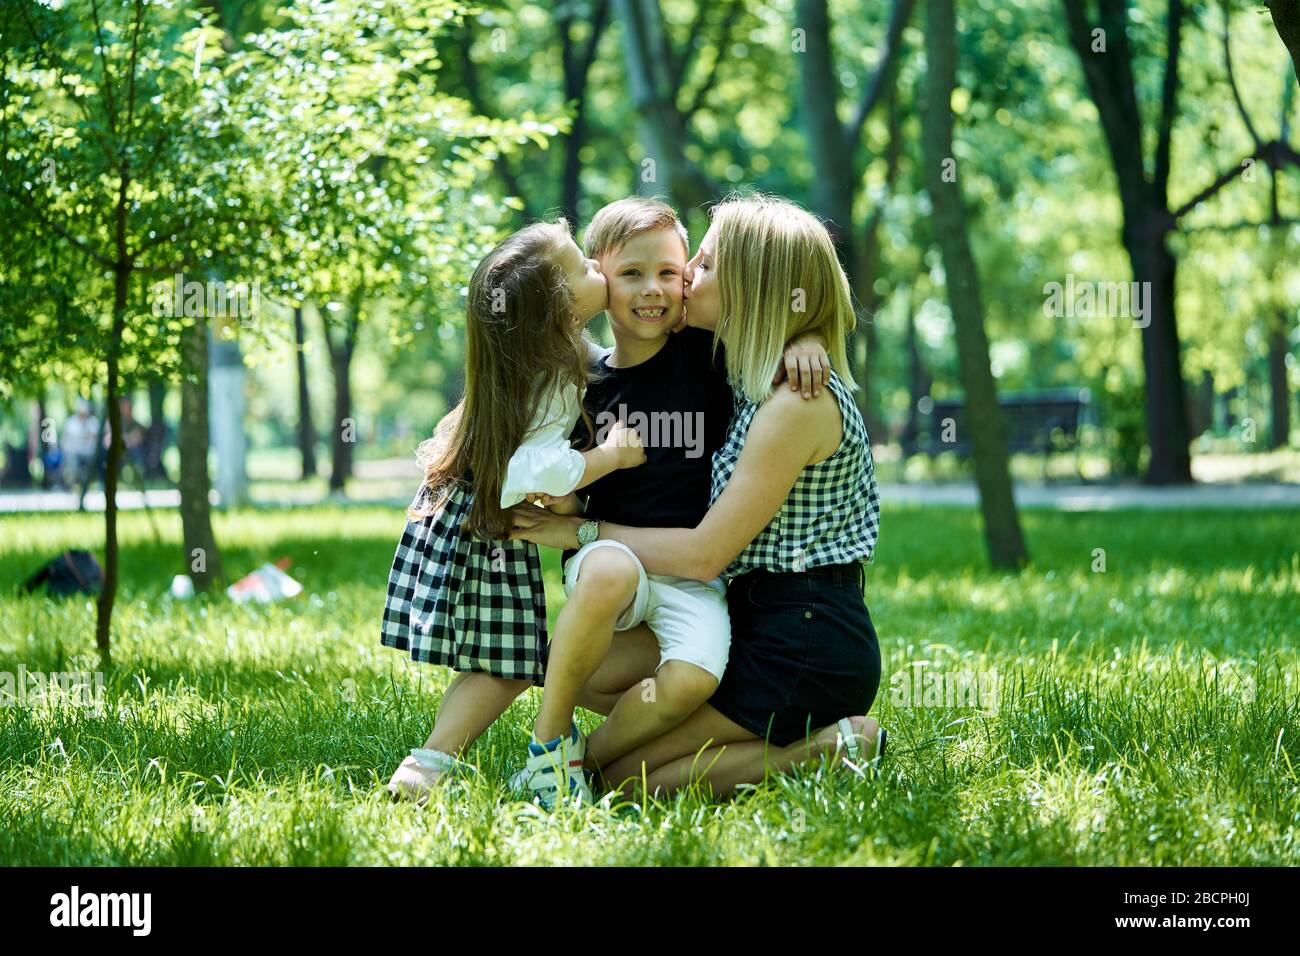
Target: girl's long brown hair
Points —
{"points": [[521, 341]]}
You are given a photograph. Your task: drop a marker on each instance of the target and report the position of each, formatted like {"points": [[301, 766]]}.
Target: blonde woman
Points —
{"points": [[794, 514]]}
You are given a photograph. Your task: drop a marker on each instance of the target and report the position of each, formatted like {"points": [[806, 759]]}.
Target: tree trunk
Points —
{"points": [[570, 183], [1279, 392], [646, 58], [1166, 398], [983, 416], [343, 428], [918, 382], [202, 559], [577, 64], [1229, 410], [832, 187], [341, 463], [306, 430], [156, 436], [41, 446], [1286, 20], [833, 184], [836, 176], [1111, 83], [1201, 409], [113, 462], [870, 271]]}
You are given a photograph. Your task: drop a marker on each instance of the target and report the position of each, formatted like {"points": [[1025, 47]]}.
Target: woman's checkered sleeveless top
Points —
{"points": [[832, 514]]}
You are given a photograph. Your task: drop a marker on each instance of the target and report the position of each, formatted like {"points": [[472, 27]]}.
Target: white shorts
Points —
{"points": [[689, 617]]}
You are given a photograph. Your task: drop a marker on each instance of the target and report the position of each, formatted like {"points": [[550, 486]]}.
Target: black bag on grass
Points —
{"points": [[72, 572]]}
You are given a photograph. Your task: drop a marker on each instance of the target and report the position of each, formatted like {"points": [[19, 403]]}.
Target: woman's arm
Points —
{"points": [[787, 434]]}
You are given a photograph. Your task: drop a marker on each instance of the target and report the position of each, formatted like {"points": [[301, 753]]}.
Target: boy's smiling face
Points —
{"points": [[645, 284]]}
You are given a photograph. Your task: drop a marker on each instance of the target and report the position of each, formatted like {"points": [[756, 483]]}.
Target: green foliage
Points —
{"points": [[319, 158], [380, 171], [116, 157]]}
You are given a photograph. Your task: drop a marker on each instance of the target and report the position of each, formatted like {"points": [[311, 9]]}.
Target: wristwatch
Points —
{"points": [[587, 532]]}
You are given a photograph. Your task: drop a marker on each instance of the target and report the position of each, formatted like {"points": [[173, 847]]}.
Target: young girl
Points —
{"points": [[461, 594]]}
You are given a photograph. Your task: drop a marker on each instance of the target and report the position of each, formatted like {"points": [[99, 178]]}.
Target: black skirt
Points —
{"points": [[803, 652]]}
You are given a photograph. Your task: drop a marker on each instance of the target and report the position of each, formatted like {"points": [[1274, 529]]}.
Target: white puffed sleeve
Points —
{"points": [[546, 462]]}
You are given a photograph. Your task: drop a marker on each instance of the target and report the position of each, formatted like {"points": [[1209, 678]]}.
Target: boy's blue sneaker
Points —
{"points": [[554, 769]]}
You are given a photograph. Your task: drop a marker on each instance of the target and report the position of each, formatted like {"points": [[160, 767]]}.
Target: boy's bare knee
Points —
{"points": [[606, 577]]}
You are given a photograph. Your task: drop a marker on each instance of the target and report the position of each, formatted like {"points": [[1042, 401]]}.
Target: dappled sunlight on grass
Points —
{"points": [[1147, 713]]}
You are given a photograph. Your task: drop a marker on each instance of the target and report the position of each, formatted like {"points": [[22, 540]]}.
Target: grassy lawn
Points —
{"points": [[1149, 714]]}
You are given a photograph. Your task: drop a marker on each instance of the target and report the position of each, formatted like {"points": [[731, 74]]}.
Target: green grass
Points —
{"points": [[1146, 715]]}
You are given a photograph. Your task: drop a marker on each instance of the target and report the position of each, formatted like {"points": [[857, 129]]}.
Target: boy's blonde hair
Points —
{"points": [[778, 277], [612, 227]]}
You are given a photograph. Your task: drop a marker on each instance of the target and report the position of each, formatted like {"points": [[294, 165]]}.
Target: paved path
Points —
{"points": [[1061, 497], [1098, 497]]}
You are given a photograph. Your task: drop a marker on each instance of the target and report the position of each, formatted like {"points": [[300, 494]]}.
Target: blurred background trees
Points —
{"points": [[354, 159]]}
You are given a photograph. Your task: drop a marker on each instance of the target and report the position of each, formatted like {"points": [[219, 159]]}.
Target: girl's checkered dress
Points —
{"points": [[832, 514], [467, 604]]}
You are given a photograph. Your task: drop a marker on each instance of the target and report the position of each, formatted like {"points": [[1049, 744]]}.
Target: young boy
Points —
{"points": [[673, 389]]}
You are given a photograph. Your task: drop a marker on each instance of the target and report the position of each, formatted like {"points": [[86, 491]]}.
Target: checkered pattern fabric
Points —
{"points": [[467, 604], [832, 514]]}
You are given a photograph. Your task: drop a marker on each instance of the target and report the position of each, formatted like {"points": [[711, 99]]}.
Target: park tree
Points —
{"points": [[1277, 252], [983, 416], [306, 427], [726, 89], [141, 160], [655, 72], [121, 173], [579, 28], [577, 54], [1150, 215]]}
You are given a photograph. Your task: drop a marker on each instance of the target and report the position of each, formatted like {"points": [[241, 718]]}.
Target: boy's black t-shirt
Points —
{"points": [[680, 403]]}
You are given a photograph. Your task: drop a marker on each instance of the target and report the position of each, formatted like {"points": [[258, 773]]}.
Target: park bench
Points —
{"points": [[1037, 422]]}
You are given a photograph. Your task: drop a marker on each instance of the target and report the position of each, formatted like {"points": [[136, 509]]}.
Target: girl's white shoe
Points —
{"points": [[416, 776]]}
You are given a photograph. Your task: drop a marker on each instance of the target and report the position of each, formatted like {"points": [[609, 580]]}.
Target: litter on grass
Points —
{"points": [[267, 584]]}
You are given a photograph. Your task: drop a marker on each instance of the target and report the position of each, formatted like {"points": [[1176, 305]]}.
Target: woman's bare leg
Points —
{"points": [[650, 709], [721, 770], [701, 730]]}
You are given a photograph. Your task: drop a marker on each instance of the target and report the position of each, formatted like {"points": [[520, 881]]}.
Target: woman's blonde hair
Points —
{"points": [[521, 342], [778, 277]]}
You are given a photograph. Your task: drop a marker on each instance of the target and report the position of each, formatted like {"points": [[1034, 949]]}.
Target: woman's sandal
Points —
{"points": [[417, 775], [848, 738]]}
